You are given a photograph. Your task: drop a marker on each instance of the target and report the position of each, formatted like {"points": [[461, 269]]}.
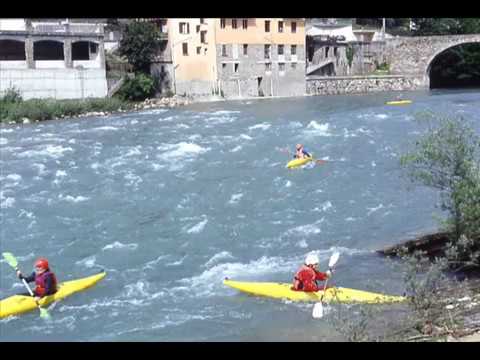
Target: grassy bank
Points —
{"points": [[16, 110]]}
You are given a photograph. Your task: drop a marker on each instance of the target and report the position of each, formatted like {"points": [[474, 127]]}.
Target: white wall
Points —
{"points": [[50, 64], [13, 64], [12, 24], [55, 83]]}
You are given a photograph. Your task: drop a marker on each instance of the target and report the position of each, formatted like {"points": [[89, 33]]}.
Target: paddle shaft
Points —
{"points": [[30, 291]]}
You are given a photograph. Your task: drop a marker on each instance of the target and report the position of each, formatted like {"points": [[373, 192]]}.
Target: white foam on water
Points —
{"points": [[245, 137], [61, 173], [183, 126], [73, 199], [373, 209], [211, 279], [374, 164], [350, 218], [306, 230], [16, 178], [72, 141], [371, 142], [6, 202], [157, 167], [88, 262], [133, 179], [180, 150], [152, 112], [25, 213], [348, 134], [53, 151], [236, 148], [95, 165], [215, 259], [225, 112], [134, 151], [178, 262], [136, 289], [195, 137], [381, 116], [198, 227], [288, 183], [294, 124], [3, 141], [263, 126], [106, 128], [151, 264], [302, 244], [326, 205], [118, 245], [6, 131], [235, 198], [317, 129]]}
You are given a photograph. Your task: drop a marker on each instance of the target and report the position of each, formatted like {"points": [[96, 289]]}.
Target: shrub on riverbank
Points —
{"points": [[447, 158], [47, 109]]}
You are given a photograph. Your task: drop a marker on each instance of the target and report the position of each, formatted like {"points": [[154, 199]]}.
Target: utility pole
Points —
{"points": [[383, 29]]}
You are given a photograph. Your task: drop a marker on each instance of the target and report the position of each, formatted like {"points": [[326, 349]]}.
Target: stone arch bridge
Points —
{"points": [[413, 56]]}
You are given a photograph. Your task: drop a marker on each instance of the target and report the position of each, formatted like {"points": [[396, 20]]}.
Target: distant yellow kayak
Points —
{"points": [[19, 304], [333, 294], [298, 162], [399, 102]]}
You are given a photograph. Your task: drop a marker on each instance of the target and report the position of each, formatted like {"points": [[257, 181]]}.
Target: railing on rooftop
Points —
{"points": [[67, 28]]}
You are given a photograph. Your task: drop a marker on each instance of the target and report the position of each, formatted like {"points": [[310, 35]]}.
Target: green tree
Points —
{"points": [[446, 26], [447, 158], [139, 45]]}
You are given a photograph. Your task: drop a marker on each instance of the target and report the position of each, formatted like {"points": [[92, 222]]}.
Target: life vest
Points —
{"points": [[306, 279], [41, 283]]}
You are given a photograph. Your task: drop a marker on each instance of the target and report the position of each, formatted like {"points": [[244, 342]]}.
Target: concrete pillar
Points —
{"points": [[29, 53], [101, 53], [67, 53]]}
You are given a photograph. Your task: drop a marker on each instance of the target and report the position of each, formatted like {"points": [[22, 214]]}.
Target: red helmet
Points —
{"points": [[42, 263]]}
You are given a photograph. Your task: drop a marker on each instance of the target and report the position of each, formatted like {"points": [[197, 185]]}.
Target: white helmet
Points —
{"points": [[312, 259]]}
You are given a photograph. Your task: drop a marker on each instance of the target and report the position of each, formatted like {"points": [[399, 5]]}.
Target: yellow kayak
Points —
{"points": [[399, 102], [18, 304], [298, 162], [333, 294]]}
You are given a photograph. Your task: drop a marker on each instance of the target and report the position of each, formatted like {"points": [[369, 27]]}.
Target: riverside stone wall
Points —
{"points": [[362, 84]]}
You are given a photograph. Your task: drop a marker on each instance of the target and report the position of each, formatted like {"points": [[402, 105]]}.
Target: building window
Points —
{"points": [[222, 23], [224, 66], [294, 27], [293, 65], [280, 49], [202, 20], [245, 23], [198, 28], [13, 50], [235, 67], [267, 25], [199, 49], [280, 26], [335, 51], [203, 37], [48, 50], [326, 51], [267, 51], [205, 51], [184, 28], [281, 67], [80, 50], [224, 50], [293, 50], [185, 49], [268, 67], [245, 49], [234, 23]]}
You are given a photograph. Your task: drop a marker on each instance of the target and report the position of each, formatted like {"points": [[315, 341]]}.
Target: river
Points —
{"points": [[171, 201]]}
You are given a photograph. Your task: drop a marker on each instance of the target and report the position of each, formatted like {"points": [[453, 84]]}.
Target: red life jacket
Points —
{"points": [[40, 283], [306, 279]]}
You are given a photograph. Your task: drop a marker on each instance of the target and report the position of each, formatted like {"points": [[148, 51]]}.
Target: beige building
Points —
{"points": [[192, 44], [238, 57], [261, 56]]}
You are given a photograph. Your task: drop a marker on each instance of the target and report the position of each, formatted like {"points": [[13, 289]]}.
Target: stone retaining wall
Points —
{"points": [[362, 84]]}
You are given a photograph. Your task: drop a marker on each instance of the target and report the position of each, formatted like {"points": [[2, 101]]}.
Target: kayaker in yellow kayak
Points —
{"points": [[306, 277], [45, 279], [300, 152]]}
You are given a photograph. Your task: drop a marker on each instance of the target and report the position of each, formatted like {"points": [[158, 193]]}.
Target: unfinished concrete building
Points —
{"points": [[53, 58]]}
